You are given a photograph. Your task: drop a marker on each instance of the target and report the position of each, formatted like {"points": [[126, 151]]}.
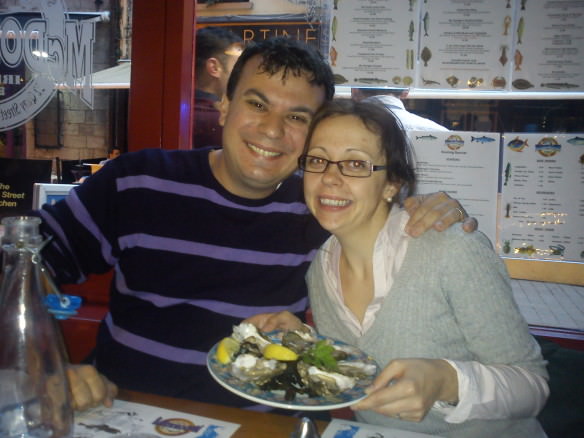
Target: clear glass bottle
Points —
{"points": [[34, 391]]}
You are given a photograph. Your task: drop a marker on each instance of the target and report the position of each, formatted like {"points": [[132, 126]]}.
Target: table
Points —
{"points": [[253, 424]]}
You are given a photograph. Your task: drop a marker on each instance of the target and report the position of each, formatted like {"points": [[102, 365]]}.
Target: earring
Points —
{"points": [[389, 199]]}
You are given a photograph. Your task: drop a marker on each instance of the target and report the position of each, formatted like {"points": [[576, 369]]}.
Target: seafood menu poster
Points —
{"points": [[466, 44], [373, 43], [127, 419], [542, 196], [549, 46], [466, 166]]}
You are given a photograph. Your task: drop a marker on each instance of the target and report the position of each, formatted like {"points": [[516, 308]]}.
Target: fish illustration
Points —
{"points": [[426, 55], [426, 22], [506, 247], [507, 173], [430, 82], [522, 84], [452, 81], [557, 249], [529, 250], [371, 80], [333, 54], [520, 29], [499, 82], [411, 5], [336, 4], [410, 59], [396, 80], [559, 85], [506, 24], [474, 82], [582, 159], [508, 4], [408, 80], [517, 144], [334, 28], [483, 139], [518, 60], [503, 58], [523, 4], [339, 79], [411, 30], [508, 210], [426, 137], [101, 428], [576, 141]]}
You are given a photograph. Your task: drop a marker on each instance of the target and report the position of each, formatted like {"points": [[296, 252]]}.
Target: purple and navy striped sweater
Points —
{"points": [[190, 259]]}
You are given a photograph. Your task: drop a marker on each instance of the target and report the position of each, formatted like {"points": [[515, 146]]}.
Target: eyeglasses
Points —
{"points": [[353, 168]]}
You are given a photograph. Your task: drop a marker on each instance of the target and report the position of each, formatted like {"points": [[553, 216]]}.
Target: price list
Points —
{"points": [[549, 46], [372, 43], [542, 196], [463, 164], [466, 44]]}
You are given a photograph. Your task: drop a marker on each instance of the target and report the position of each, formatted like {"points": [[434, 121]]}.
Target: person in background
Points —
{"points": [[201, 239], [113, 153], [216, 50], [436, 313], [392, 99]]}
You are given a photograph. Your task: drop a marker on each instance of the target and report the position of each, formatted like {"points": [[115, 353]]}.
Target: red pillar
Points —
{"points": [[162, 87]]}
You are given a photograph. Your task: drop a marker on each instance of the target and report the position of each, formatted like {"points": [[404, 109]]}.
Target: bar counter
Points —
{"points": [[252, 424]]}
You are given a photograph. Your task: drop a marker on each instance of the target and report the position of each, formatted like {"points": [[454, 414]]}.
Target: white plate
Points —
{"points": [[222, 374]]}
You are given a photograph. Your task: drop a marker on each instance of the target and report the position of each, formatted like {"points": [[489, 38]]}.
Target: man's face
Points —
{"points": [[264, 128]]}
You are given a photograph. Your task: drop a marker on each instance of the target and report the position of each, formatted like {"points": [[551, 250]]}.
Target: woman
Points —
{"points": [[436, 312]]}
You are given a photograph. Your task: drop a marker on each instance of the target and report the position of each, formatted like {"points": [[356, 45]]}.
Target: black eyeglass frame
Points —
{"points": [[372, 167]]}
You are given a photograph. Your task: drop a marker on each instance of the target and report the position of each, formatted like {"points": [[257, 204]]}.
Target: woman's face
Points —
{"points": [[344, 204]]}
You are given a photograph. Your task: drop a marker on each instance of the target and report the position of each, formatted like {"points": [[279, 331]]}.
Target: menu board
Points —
{"points": [[373, 43], [473, 45], [542, 196], [549, 46], [465, 44], [466, 166]]}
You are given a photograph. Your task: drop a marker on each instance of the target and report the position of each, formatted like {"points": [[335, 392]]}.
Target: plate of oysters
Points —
{"points": [[295, 369]]}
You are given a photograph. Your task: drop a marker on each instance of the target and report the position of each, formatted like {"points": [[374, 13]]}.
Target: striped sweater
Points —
{"points": [[190, 261]]}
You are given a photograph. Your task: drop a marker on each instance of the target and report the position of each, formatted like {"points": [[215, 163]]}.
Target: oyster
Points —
{"points": [[299, 340], [324, 383], [250, 368], [356, 369], [246, 332]]}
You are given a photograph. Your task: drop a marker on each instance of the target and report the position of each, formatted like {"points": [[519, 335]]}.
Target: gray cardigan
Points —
{"points": [[451, 299]]}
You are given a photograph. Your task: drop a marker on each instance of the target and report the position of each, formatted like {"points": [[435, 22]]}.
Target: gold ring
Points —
{"points": [[461, 211]]}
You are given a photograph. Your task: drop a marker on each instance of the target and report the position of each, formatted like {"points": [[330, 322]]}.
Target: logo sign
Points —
{"points": [[175, 426], [53, 49]]}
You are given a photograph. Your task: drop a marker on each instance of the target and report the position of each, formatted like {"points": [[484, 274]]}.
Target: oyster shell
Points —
{"points": [[250, 368], [246, 332], [356, 369], [324, 383], [299, 340]]}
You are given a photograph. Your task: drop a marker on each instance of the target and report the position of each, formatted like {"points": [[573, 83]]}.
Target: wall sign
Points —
{"points": [[52, 49]]}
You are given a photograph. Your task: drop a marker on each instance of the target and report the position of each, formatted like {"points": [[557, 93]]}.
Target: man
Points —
{"points": [[217, 50], [202, 239], [392, 99]]}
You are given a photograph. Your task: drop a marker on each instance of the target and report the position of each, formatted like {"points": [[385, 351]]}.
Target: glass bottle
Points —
{"points": [[34, 391]]}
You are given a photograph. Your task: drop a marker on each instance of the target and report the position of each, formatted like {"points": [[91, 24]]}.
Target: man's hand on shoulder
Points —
{"points": [[89, 388], [438, 211]]}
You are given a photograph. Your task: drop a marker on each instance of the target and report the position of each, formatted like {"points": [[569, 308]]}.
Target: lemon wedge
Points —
{"points": [[226, 350], [279, 352]]}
